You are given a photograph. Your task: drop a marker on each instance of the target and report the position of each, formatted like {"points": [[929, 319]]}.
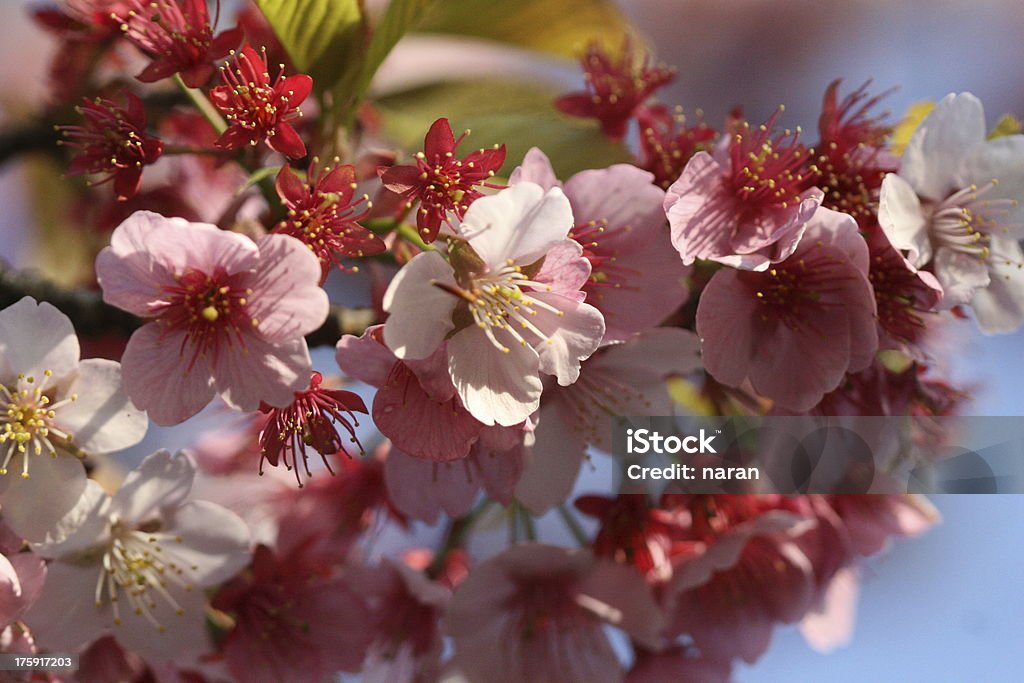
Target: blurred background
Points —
{"points": [[945, 607]]}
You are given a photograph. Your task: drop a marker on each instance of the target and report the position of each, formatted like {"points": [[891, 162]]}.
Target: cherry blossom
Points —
{"points": [[506, 328], [133, 565], [745, 205], [227, 315], [178, 38], [55, 410], [113, 141], [535, 612], [635, 280], [258, 108], [954, 205], [617, 86], [442, 183], [796, 330]]}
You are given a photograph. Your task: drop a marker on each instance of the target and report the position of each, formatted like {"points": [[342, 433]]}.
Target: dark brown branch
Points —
{"points": [[92, 317]]}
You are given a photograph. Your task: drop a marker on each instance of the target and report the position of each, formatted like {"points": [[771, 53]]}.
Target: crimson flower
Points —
{"points": [[440, 181], [311, 420], [667, 143], [113, 141], [852, 160], [178, 38], [322, 213], [615, 88], [260, 109]]}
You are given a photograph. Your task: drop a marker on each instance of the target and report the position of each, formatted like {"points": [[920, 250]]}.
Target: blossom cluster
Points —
{"points": [[511, 313]]}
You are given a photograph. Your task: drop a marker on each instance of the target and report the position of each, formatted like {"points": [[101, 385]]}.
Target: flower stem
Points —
{"points": [[573, 525], [408, 233], [203, 104], [455, 536]]}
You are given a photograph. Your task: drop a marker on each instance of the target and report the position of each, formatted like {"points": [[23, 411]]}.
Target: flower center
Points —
{"points": [[966, 220], [605, 270], [161, 28], [497, 302], [210, 309], [27, 419], [767, 172], [255, 103], [136, 566]]}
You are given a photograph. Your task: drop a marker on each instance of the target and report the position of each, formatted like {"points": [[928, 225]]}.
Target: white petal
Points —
{"points": [[536, 168], [102, 419], [161, 481], [33, 338], [496, 387], [899, 214], [32, 507], [65, 616], [1001, 159], [520, 223], [961, 276], [1000, 306], [830, 624], [214, 541], [934, 160], [572, 337], [84, 526], [420, 314], [186, 635]]}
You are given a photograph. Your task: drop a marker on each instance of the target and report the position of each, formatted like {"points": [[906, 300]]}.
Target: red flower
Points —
{"points": [[440, 181], [616, 88], [257, 108], [667, 143], [634, 533], [323, 214], [177, 36], [113, 141], [852, 159], [311, 420]]}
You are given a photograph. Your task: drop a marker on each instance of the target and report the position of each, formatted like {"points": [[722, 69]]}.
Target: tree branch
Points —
{"points": [[92, 317]]}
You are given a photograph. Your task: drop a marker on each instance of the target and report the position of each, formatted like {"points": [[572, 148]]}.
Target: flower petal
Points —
{"points": [[102, 420], [496, 387], [161, 481], [287, 299], [35, 337], [899, 214], [423, 490], [999, 307], [33, 507], [420, 314], [571, 337], [520, 223], [262, 372], [214, 542], [933, 162], [536, 168], [157, 377]]}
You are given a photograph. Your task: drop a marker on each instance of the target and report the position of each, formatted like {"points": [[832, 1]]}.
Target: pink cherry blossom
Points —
{"points": [[227, 315], [797, 329], [295, 620], [535, 613], [620, 379], [54, 409], [405, 627], [416, 405], [424, 490], [503, 328], [636, 280], [744, 575], [133, 565], [747, 204]]}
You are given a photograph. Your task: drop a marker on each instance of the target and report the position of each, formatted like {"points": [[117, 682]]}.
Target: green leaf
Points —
{"points": [[401, 17], [258, 176], [515, 113], [324, 38], [561, 27]]}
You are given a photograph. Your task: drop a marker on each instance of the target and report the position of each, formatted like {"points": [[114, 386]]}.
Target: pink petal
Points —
{"points": [[262, 372], [365, 358], [424, 489], [158, 379], [286, 298]]}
